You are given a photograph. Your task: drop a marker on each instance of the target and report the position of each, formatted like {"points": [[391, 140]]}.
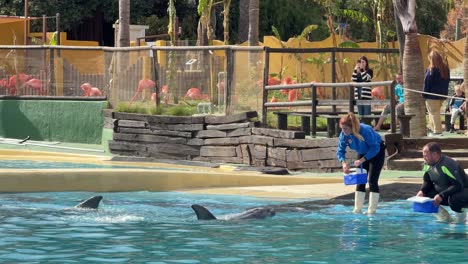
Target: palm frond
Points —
{"points": [[406, 11], [306, 31]]}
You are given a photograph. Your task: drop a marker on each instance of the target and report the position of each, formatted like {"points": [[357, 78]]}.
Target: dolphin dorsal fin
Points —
{"points": [[203, 213], [91, 203]]}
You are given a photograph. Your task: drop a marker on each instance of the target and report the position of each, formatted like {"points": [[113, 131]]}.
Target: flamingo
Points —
{"points": [[89, 90], [22, 79], [273, 81], [35, 84], [378, 93], [194, 93], [143, 86]]}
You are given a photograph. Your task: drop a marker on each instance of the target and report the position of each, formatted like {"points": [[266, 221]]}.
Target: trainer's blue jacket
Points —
{"points": [[369, 147], [446, 177]]}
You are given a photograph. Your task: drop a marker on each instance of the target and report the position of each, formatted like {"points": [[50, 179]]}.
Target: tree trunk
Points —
{"points": [[123, 40], [124, 24], [465, 64], [413, 75], [243, 21], [227, 6], [253, 22], [401, 39]]}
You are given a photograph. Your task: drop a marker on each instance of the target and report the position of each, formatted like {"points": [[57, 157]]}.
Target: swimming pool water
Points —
{"points": [[31, 164], [147, 227]]}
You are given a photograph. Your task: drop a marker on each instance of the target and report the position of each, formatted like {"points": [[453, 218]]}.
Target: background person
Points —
{"points": [[456, 106], [436, 81], [371, 149], [362, 73], [400, 106], [445, 181]]}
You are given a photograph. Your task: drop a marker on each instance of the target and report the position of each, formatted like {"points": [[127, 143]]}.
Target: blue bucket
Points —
{"points": [[358, 177], [427, 207]]}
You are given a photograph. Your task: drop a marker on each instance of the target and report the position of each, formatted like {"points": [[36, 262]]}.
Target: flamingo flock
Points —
{"points": [[292, 94], [21, 81]]}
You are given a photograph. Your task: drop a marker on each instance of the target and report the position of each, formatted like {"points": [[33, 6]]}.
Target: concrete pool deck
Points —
{"points": [[153, 176]]}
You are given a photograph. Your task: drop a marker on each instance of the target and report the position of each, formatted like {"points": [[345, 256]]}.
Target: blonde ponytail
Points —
{"points": [[352, 121]]}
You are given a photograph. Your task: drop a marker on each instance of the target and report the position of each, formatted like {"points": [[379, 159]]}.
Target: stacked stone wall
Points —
{"points": [[226, 139]]}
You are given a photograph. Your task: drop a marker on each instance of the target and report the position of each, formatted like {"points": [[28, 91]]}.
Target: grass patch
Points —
{"points": [[181, 109], [294, 122]]}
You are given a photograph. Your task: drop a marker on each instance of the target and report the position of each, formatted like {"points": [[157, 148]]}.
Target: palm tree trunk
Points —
{"points": [[243, 21], [123, 40], [124, 24], [413, 74], [465, 64], [227, 6], [253, 22]]}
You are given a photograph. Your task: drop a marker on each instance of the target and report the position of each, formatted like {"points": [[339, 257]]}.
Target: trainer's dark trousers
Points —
{"points": [[373, 167], [456, 201]]}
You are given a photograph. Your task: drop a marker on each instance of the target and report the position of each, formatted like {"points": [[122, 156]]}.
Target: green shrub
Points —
{"points": [[134, 108]]}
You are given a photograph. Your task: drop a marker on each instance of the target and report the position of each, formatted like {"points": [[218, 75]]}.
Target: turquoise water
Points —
{"points": [[30, 164], [146, 227]]}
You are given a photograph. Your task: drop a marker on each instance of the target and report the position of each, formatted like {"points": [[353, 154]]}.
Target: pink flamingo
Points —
{"points": [[143, 86], [194, 93], [35, 84], [89, 90]]}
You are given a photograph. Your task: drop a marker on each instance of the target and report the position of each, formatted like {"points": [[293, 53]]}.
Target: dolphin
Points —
{"points": [[254, 213], [91, 203]]}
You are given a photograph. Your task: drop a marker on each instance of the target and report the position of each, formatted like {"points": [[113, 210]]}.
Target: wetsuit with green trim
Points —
{"points": [[449, 180]]}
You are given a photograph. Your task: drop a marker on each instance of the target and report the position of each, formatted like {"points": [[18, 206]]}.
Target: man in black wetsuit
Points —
{"points": [[445, 181]]}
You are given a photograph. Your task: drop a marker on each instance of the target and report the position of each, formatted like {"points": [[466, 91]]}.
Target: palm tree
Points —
{"points": [[254, 12], [413, 70], [465, 62], [122, 40], [243, 21], [124, 24], [227, 6]]}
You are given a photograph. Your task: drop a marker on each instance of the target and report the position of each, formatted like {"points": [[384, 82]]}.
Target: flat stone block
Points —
{"points": [[259, 152], [276, 162], [261, 140], [127, 146], [305, 143], [246, 155], [318, 154], [129, 116], [211, 134], [148, 138], [235, 160], [303, 165], [211, 151], [179, 149], [132, 123], [222, 141], [333, 163], [232, 126], [245, 116], [277, 153], [178, 127], [195, 142], [277, 133], [240, 132], [259, 162], [154, 132], [163, 119], [293, 155]]}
